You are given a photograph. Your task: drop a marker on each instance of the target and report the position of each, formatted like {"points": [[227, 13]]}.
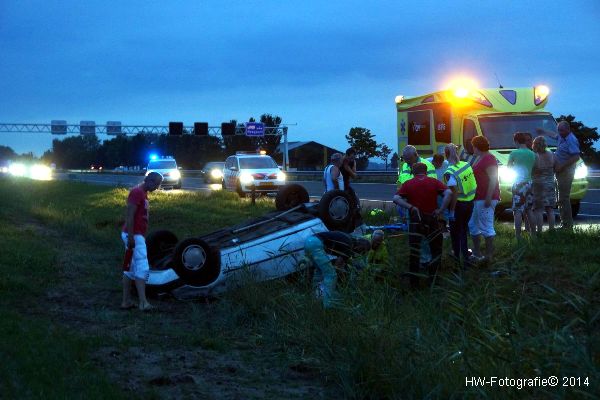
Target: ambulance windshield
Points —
{"points": [[499, 130]]}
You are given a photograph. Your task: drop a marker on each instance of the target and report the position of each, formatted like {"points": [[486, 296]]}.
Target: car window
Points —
{"points": [[212, 165], [257, 163], [162, 164], [500, 130]]}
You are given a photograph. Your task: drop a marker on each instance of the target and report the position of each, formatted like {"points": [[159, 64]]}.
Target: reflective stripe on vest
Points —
{"points": [[465, 180], [406, 171]]}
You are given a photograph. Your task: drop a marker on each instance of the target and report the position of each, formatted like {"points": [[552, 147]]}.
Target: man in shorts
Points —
{"points": [[133, 235]]}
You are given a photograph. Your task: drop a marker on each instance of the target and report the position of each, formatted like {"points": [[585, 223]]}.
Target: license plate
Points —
{"points": [[266, 184]]}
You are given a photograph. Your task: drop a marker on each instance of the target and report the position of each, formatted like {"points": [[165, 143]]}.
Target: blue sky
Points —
{"points": [[325, 66]]}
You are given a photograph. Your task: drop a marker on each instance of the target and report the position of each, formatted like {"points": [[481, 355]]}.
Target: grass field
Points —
{"points": [[63, 335]]}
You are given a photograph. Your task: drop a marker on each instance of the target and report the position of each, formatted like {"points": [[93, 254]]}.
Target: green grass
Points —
{"points": [[60, 284]]}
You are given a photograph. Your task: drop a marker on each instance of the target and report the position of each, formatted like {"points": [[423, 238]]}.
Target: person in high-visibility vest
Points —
{"points": [[460, 178], [410, 156]]}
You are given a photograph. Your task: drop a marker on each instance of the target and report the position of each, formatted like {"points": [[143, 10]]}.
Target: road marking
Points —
{"points": [[588, 215], [589, 202]]}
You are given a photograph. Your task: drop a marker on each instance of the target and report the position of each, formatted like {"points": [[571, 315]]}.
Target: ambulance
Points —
{"points": [[456, 115]]}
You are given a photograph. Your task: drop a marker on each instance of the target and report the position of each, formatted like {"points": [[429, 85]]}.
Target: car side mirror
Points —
{"points": [[179, 167]]}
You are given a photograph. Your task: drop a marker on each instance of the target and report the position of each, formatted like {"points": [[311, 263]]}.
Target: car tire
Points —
{"points": [[177, 186], [575, 209], [196, 263], [289, 196], [160, 244], [223, 185], [336, 209]]}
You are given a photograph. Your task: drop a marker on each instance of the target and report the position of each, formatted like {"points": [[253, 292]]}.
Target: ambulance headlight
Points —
{"points": [[281, 176], [246, 178], [581, 172], [506, 174]]}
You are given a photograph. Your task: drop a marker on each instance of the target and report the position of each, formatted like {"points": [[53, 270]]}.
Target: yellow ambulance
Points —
{"points": [[456, 115]]}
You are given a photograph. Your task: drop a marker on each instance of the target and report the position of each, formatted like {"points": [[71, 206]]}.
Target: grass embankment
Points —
{"points": [[63, 335]]}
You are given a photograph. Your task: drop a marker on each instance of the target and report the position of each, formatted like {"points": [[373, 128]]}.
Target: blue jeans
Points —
{"points": [[325, 277], [425, 249]]}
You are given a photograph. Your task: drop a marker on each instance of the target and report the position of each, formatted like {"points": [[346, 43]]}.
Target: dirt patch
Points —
{"points": [[156, 352]]}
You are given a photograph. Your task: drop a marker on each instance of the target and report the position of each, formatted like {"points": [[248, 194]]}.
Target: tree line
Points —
{"points": [[192, 152]]}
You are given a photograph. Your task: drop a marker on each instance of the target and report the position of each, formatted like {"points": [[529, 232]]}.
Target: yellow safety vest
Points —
{"points": [[465, 180], [406, 171]]}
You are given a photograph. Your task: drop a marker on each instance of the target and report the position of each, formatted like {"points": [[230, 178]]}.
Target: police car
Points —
{"points": [[167, 167], [247, 172]]}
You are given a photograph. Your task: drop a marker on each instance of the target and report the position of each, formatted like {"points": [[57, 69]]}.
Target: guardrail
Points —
{"points": [[297, 175]]}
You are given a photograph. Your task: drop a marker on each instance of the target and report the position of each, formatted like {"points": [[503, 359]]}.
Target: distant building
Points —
{"points": [[307, 156]]}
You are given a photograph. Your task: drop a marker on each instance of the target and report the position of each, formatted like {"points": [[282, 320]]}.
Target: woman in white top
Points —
{"points": [[332, 177]]}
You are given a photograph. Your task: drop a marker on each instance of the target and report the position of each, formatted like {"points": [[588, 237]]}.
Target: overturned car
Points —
{"points": [[259, 249]]}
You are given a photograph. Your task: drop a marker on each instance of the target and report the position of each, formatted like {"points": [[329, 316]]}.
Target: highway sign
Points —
{"points": [[255, 129]]}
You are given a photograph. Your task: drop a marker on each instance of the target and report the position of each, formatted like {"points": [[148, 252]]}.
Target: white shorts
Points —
{"points": [[139, 268], [482, 219]]}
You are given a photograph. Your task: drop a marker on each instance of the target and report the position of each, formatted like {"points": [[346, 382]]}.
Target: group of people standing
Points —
{"points": [[464, 195]]}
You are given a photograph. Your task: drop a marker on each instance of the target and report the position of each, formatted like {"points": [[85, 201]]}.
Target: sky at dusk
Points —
{"points": [[326, 66]]}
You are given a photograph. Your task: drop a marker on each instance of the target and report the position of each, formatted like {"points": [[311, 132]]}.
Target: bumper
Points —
{"points": [[578, 191], [263, 186], [170, 182]]}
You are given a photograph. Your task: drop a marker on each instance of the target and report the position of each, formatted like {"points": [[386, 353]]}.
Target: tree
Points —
{"points": [[394, 161], [361, 139], [269, 142], [7, 153], [586, 136], [76, 151], [384, 153]]}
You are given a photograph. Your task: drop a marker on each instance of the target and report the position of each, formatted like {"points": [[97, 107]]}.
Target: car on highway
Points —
{"points": [[245, 173], [212, 172], [96, 167], [169, 170], [259, 249]]}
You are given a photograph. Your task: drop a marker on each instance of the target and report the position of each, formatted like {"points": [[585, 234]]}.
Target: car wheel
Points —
{"points": [[575, 209], [335, 210], [160, 244], [177, 186], [196, 263], [289, 196], [223, 185]]}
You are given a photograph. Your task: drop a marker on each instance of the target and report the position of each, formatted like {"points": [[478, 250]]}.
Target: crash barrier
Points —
{"points": [[388, 176]]}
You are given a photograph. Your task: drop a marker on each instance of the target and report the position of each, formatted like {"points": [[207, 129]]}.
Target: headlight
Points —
{"points": [[506, 174], [175, 174], [581, 172], [216, 173], [17, 169], [281, 176], [246, 178], [41, 172]]}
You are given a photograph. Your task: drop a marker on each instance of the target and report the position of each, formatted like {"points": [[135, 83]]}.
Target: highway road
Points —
{"points": [[376, 195]]}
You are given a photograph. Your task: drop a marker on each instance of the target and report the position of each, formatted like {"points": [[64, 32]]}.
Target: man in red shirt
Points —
{"points": [[419, 195], [133, 233]]}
